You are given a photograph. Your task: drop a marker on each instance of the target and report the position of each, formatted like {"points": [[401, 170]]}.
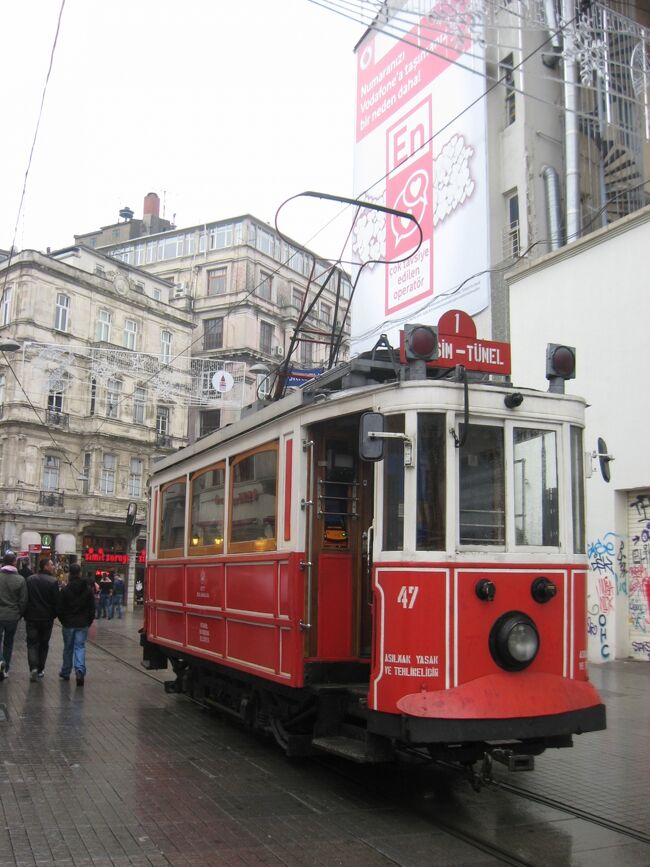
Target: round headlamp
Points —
{"points": [[514, 641]]}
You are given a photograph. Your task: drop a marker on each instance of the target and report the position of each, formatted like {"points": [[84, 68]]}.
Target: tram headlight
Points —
{"points": [[514, 641]]}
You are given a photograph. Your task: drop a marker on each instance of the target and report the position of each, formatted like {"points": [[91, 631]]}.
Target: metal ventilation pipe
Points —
{"points": [[550, 14], [553, 208], [571, 130]]}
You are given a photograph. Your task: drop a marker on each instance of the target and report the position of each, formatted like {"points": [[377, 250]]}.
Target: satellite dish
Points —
{"points": [[604, 458], [222, 382]]}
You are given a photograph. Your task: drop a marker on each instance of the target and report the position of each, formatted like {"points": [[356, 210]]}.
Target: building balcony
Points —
{"points": [[58, 419], [164, 440], [51, 498]]}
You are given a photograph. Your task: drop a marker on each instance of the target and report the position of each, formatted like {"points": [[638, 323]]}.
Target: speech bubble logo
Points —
{"points": [[413, 199], [366, 57]]}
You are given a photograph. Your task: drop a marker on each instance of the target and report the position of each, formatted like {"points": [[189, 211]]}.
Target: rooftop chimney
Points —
{"points": [[151, 205]]}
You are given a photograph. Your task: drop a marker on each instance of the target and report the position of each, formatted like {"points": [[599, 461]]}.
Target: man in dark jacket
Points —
{"points": [[42, 595], [76, 611], [13, 599]]}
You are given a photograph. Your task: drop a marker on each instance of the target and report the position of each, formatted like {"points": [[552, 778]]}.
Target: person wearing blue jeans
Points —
{"points": [[104, 609], [118, 596], [76, 611]]}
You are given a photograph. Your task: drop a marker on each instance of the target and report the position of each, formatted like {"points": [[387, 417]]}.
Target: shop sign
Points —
{"points": [[35, 549], [46, 540], [100, 556]]}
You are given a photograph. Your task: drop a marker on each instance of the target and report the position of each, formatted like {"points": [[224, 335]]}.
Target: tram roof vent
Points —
{"points": [[354, 374]]}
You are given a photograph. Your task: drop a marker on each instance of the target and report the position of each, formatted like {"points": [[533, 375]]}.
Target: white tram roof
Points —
{"points": [[322, 398]]}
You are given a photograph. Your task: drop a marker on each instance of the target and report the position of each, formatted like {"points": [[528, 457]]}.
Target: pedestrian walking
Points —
{"points": [[105, 592], [76, 611], [13, 600], [42, 595], [118, 596]]}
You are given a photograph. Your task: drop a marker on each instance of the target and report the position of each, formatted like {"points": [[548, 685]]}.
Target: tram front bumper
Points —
{"points": [[523, 705]]}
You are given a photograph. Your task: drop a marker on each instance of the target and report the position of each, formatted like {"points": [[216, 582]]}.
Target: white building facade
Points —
{"points": [[593, 295]]}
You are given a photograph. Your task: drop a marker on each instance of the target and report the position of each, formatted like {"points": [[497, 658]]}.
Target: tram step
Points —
{"points": [[353, 749]]}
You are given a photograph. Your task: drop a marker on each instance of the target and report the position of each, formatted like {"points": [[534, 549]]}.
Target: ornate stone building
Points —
{"points": [[87, 403], [245, 287]]}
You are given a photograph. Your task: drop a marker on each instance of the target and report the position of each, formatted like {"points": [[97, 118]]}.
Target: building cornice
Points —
{"points": [[577, 248]]}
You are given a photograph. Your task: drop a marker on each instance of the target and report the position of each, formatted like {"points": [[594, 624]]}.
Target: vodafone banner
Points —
{"points": [[417, 150]]}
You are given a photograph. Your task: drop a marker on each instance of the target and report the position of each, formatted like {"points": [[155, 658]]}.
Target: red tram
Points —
{"points": [[386, 558]]}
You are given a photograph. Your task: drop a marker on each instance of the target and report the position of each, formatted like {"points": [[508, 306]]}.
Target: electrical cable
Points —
{"points": [[33, 147], [242, 301], [488, 77]]}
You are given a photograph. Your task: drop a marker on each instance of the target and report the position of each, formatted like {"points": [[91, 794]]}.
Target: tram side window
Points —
{"points": [[172, 519], [393, 486], [253, 500], [431, 482], [536, 492], [208, 497], [482, 487], [578, 490]]}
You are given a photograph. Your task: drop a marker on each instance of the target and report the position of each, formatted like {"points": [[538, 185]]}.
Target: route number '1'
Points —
{"points": [[407, 596]]}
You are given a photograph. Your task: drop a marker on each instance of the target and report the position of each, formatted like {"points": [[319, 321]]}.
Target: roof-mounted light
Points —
{"points": [[420, 342], [560, 365]]}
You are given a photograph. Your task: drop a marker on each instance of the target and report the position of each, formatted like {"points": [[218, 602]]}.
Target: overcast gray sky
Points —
{"points": [[221, 108]]}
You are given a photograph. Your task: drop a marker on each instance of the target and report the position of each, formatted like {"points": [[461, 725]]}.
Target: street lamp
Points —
{"points": [[9, 346]]}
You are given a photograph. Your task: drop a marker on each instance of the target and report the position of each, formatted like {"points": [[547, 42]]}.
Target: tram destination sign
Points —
{"points": [[458, 344]]}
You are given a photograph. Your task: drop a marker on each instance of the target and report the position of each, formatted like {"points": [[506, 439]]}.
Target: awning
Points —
{"points": [[65, 543], [29, 537]]}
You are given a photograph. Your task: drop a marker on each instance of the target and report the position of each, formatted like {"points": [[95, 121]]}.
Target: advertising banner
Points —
{"points": [[421, 140]]}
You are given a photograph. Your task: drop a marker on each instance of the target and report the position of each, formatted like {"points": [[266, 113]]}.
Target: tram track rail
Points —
{"points": [[500, 854], [419, 803], [422, 808], [576, 812]]}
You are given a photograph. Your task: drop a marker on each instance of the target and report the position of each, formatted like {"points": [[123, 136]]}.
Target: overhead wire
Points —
{"points": [[376, 330], [7, 263], [400, 35], [441, 129], [276, 270], [33, 146]]}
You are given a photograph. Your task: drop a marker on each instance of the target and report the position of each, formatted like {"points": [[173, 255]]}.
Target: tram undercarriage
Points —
{"points": [[333, 717]]}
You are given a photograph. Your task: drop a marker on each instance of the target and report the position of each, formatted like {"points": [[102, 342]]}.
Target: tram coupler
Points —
{"points": [[514, 761]]}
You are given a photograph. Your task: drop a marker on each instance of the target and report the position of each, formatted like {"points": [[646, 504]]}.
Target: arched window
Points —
{"points": [[172, 518], [208, 494], [253, 500]]}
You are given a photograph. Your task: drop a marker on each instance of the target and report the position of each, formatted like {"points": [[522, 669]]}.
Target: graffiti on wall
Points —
{"points": [[639, 576], [607, 562]]}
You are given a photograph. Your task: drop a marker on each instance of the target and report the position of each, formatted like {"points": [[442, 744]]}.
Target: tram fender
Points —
{"points": [[503, 696]]}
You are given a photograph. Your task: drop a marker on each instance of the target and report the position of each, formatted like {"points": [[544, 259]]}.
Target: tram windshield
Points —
{"points": [[536, 487], [431, 482], [482, 487]]}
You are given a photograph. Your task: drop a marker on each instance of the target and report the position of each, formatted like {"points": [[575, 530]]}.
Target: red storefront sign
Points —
{"points": [[100, 556]]}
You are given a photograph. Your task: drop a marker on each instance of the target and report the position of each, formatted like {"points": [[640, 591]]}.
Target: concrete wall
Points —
{"points": [[594, 295]]}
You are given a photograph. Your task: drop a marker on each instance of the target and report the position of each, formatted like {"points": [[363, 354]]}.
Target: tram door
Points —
{"points": [[341, 518]]}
